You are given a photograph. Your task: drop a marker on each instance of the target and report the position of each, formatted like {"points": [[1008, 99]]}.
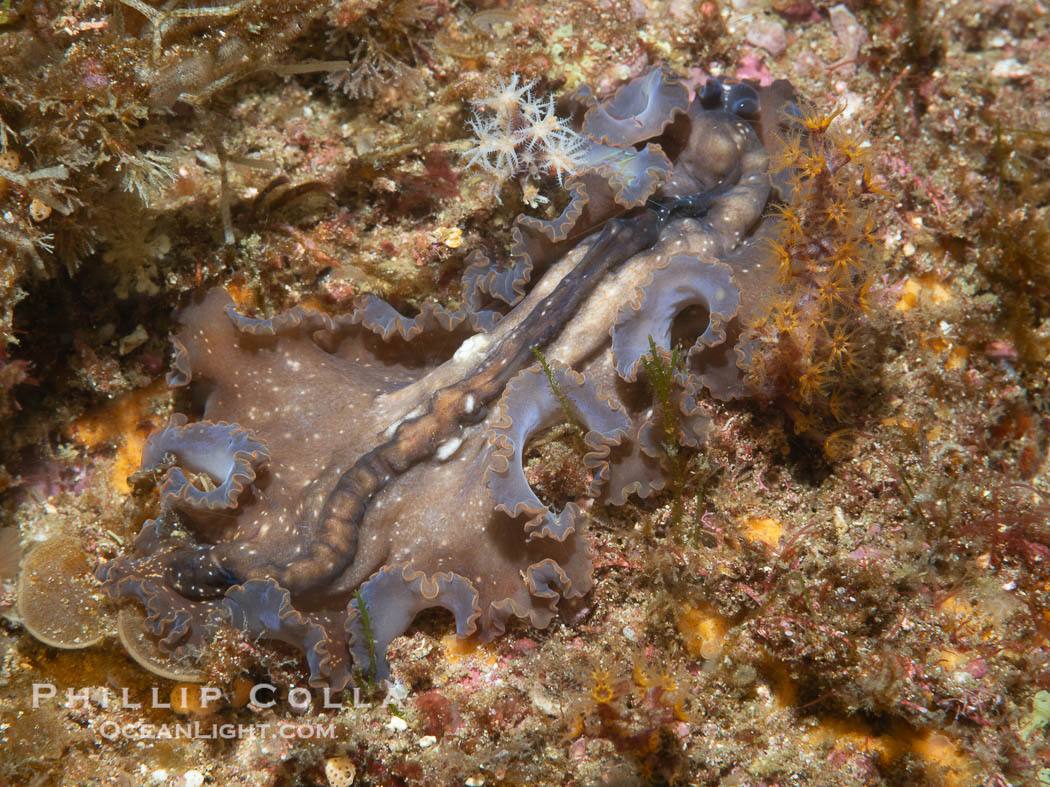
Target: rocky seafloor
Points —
{"points": [[844, 588]]}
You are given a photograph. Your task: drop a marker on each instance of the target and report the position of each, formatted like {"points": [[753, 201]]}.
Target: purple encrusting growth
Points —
{"points": [[387, 450]]}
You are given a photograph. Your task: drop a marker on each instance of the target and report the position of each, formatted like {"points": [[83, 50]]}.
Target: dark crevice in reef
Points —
{"points": [[70, 334]]}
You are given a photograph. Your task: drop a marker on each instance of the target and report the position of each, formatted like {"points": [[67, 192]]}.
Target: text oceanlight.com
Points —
{"points": [[112, 730]]}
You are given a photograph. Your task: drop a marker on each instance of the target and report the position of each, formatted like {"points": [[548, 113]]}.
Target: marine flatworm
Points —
{"points": [[376, 459]]}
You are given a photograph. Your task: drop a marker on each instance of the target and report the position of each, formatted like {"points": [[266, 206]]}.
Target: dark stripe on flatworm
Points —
{"points": [[393, 597], [533, 240], [416, 439], [528, 405]]}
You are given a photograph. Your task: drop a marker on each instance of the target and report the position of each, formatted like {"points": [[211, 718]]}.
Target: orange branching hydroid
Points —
{"points": [[807, 337]]}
